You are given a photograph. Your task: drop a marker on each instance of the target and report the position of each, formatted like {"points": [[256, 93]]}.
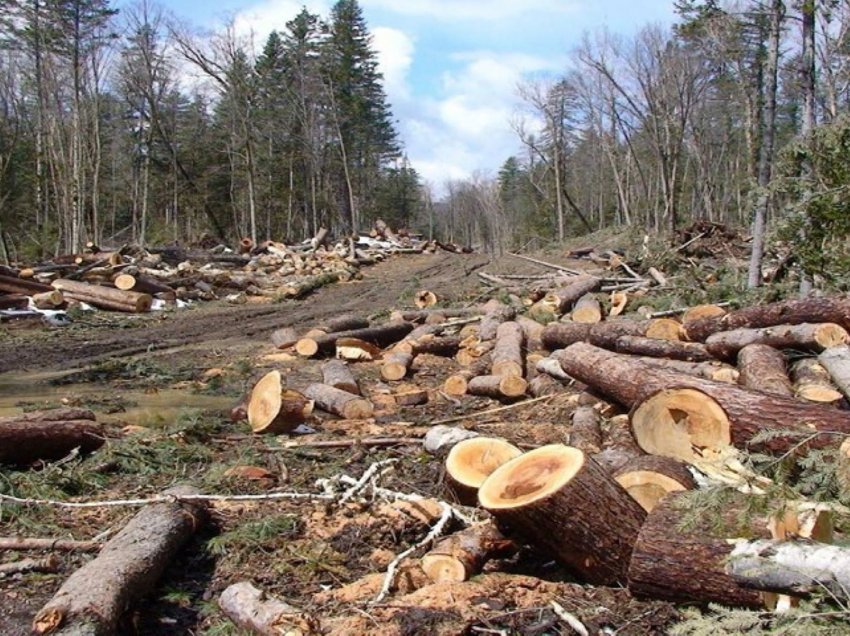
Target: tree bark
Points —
{"points": [[15, 285], [105, 297], [284, 337], [656, 348], [462, 555], [587, 310], [342, 403], [446, 346], [604, 334], [48, 435], [497, 386], [812, 381], [345, 322], [763, 369], [252, 610], [586, 432], [380, 335], [94, 598], [558, 499], [506, 357], [488, 328], [458, 383], [337, 373], [396, 365], [817, 337], [787, 312], [562, 299]]}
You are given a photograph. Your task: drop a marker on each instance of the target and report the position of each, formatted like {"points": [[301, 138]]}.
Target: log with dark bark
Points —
{"points": [[763, 369], [506, 357], [342, 403], [678, 565], [138, 283], [105, 297], [174, 255], [15, 285], [48, 435], [250, 609], [458, 382], [562, 299], [604, 334], [649, 478], [836, 361], [658, 348], [437, 346], [543, 384], [471, 461], [558, 499], [419, 333], [337, 373], [14, 301], [272, 408], [586, 432], [620, 445], [379, 335], [396, 365], [49, 300], [815, 337], [462, 555], [497, 386], [284, 337], [791, 312], [95, 597], [344, 322], [812, 381], [673, 414], [532, 332]]}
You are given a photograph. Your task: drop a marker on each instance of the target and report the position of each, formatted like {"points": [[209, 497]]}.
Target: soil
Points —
{"points": [[326, 560]]}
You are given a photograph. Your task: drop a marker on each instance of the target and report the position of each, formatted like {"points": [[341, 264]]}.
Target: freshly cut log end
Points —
{"points": [[815, 336], [425, 298], [702, 311], [665, 329], [812, 382], [497, 386], [307, 347], [559, 499], [355, 349], [619, 300], [275, 409], [507, 352], [649, 478], [462, 555], [685, 424], [587, 310], [395, 366], [471, 461]]}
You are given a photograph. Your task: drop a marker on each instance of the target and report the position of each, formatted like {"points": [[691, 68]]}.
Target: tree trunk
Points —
{"points": [[471, 461], [680, 566], [396, 366], [657, 348], [337, 373], [462, 555], [95, 597], [341, 403], [586, 432], [812, 381], [506, 356], [562, 299], [252, 610], [836, 360], [763, 369], [558, 335], [497, 386], [447, 346], [491, 320], [284, 337], [105, 297], [587, 310], [380, 335], [48, 435], [817, 337], [15, 285], [345, 322], [458, 383], [558, 499]]}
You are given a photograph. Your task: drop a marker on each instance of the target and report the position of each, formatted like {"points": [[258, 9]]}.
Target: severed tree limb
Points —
{"points": [[251, 609], [63, 545], [50, 564], [94, 598]]}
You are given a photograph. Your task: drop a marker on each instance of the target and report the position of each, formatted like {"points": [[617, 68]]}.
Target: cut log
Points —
{"points": [[816, 337], [141, 284], [437, 346], [665, 329], [105, 297], [320, 238], [48, 435], [619, 300], [559, 499], [462, 555], [336, 373], [411, 396], [355, 349], [672, 564], [472, 351], [284, 337], [649, 478], [587, 310], [586, 432], [620, 445], [551, 367], [48, 300], [673, 414], [603, 334], [562, 299], [15, 285], [836, 361], [309, 283], [396, 365], [506, 357], [275, 409], [58, 545], [380, 335], [710, 370], [95, 597], [15, 301], [495, 316], [421, 315], [471, 461], [532, 333], [497, 386], [250, 609], [458, 383], [812, 381], [669, 348], [419, 333], [788, 312], [542, 385], [424, 298], [701, 311], [791, 567], [345, 322], [763, 369], [342, 403]]}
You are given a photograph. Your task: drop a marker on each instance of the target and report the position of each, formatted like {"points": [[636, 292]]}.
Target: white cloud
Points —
{"points": [[488, 10], [257, 21], [394, 49]]}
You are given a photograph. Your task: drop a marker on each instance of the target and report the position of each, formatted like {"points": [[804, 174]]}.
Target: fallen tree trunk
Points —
{"points": [[380, 336], [446, 346], [345, 322], [251, 609], [95, 597], [673, 413], [284, 337], [458, 383], [105, 297], [495, 315], [658, 348], [58, 545], [462, 555], [817, 337], [420, 315], [586, 432], [471, 461], [497, 386], [337, 373], [48, 300], [671, 564], [506, 357], [542, 385], [763, 369], [791, 312], [620, 445], [14, 301], [791, 567], [562, 299], [812, 382], [275, 409], [558, 335], [48, 435], [342, 403], [558, 499], [134, 282], [15, 285]]}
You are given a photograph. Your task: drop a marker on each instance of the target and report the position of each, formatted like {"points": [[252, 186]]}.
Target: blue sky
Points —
{"points": [[451, 67]]}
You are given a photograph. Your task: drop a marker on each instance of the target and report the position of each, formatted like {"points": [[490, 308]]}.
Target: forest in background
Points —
{"points": [[736, 115]]}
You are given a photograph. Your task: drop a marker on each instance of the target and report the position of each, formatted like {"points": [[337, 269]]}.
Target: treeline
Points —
{"points": [[101, 140], [735, 115]]}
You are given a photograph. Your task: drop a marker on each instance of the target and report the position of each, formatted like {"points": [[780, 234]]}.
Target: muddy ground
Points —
{"points": [[314, 557]]}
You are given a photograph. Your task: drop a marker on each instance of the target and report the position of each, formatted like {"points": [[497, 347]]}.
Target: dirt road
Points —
{"points": [[385, 286]]}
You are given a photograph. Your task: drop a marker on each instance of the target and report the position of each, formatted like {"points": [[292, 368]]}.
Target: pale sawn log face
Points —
{"points": [[471, 461]]}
